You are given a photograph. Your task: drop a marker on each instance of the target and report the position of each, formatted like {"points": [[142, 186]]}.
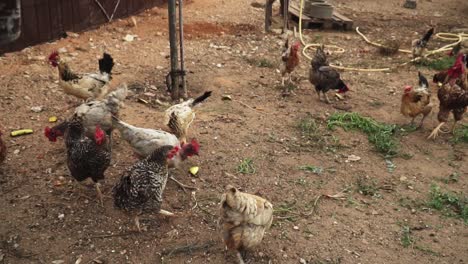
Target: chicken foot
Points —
{"points": [[326, 98], [435, 132], [240, 256]]}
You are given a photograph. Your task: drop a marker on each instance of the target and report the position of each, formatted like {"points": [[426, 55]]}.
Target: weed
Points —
{"points": [[427, 250], [308, 128], [460, 135], [406, 239], [264, 63], [367, 187], [261, 63], [379, 134], [246, 166], [311, 168], [452, 178], [439, 64], [448, 203]]}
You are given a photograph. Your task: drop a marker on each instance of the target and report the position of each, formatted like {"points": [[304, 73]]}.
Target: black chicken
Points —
{"points": [[324, 77], [86, 157], [142, 185], [418, 46]]}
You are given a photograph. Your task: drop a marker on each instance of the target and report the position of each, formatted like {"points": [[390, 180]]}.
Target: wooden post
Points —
{"points": [[183, 84], [174, 52], [285, 10], [268, 14]]}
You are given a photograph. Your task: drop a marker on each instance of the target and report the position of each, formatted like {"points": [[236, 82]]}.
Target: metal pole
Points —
{"points": [[285, 15], [182, 91], [173, 45]]}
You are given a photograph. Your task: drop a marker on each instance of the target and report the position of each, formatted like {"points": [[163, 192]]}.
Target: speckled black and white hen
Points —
{"points": [[86, 157], [141, 187]]}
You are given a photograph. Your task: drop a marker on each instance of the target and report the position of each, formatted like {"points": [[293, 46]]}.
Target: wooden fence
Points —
{"points": [[45, 20]]}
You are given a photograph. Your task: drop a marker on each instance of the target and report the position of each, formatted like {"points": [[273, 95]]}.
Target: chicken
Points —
{"points": [[3, 149], [415, 102], [244, 218], [418, 46], [52, 133], [461, 47], [324, 77], [452, 97], [290, 60], [96, 112], [454, 73], [179, 117], [87, 157], [84, 86], [142, 185], [144, 141]]}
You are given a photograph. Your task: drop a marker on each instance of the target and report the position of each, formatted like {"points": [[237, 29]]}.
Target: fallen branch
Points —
{"points": [[314, 207], [114, 235], [181, 185]]}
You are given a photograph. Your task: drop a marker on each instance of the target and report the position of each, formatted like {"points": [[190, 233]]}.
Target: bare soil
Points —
{"points": [[46, 216]]}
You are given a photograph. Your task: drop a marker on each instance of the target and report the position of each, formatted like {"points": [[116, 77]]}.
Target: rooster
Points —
{"points": [[83, 86], [415, 102], [87, 157], [244, 218], [96, 112], [453, 95], [418, 46], [324, 77], [3, 149], [290, 60], [179, 117], [454, 73], [142, 185]]}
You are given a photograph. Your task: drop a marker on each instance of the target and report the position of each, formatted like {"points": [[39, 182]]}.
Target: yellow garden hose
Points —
{"points": [[441, 35]]}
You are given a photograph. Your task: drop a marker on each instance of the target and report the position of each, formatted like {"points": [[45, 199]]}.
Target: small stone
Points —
{"points": [[159, 33], [37, 109], [159, 67], [59, 261], [16, 152], [295, 227], [27, 97], [302, 261], [129, 38], [61, 216], [62, 50], [219, 65], [403, 178], [73, 34]]}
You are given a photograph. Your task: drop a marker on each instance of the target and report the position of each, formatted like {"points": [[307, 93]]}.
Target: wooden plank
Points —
{"points": [[29, 30], [55, 18], [66, 9], [43, 23]]}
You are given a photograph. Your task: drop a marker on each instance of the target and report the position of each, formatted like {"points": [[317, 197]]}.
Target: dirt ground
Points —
{"points": [[46, 217]]}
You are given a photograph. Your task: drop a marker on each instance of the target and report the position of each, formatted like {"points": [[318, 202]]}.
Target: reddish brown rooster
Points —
{"points": [[290, 59], [454, 73], [452, 96]]}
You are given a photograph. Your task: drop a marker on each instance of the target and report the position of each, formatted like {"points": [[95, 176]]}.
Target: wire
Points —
{"points": [[441, 35]]}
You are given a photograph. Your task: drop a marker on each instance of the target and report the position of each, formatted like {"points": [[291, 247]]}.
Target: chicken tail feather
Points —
{"points": [[427, 37], [201, 98], [106, 63], [423, 81]]}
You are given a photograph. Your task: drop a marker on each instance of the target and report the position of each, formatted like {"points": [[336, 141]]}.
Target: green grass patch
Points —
{"points": [[460, 135], [261, 63], [450, 204], [367, 187], [379, 134], [246, 166], [311, 168], [439, 64], [406, 239]]}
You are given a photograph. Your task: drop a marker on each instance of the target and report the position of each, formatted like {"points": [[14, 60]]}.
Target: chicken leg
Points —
{"points": [[99, 193], [137, 223], [326, 98], [435, 132], [241, 254]]}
